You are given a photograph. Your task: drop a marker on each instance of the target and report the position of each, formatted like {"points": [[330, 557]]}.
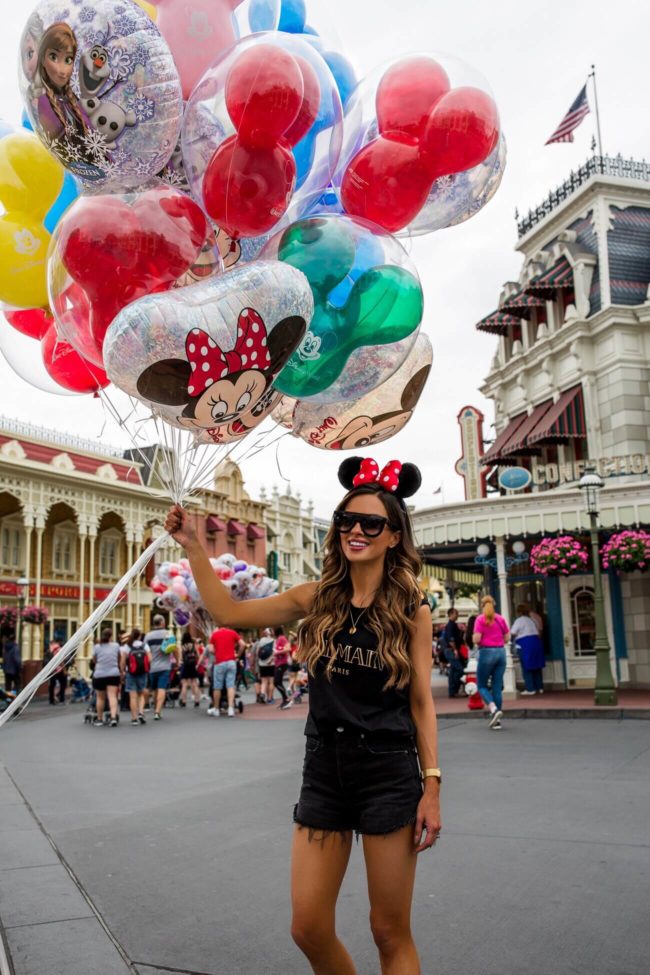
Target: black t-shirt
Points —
{"points": [[355, 698]]}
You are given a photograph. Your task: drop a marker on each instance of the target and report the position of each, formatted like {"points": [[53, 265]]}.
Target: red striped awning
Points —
{"points": [[558, 276], [254, 532], [235, 527], [214, 524], [522, 304], [519, 443], [498, 323], [564, 421], [498, 452]]}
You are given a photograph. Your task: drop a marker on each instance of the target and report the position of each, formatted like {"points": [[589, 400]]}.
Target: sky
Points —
{"points": [[536, 59]]}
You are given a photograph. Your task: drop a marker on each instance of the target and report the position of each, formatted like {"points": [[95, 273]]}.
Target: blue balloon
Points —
{"points": [[293, 16], [262, 15], [69, 193], [26, 124], [304, 153], [344, 76]]}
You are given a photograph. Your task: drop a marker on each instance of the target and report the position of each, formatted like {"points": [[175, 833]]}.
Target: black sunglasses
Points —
{"points": [[370, 525]]}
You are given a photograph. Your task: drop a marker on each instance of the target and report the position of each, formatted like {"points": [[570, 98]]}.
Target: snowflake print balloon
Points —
{"points": [[101, 89]]}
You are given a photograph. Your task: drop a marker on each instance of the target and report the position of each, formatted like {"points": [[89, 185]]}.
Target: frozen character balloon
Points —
{"points": [[101, 89]]}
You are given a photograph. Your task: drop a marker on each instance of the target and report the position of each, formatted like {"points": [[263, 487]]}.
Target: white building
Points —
{"points": [[570, 381], [291, 538]]}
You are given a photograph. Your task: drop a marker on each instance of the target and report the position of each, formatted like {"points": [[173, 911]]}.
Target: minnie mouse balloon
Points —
{"points": [[419, 120], [101, 89], [202, 357], [375, 417]]}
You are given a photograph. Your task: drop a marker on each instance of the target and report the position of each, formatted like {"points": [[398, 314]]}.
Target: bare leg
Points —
{"points": [[141, 701], [112, 700], [318, 864], [184, 684], [161, 694], [133, 704], [230, 691], [390, 865], [196, 691], [101, 701]]}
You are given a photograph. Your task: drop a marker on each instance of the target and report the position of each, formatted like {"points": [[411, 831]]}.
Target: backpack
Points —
{"points": [[265, 651], [138, 661]]}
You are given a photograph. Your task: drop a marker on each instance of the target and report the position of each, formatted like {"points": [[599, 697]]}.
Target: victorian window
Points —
{"points": [[64, 548], [11, 544], [109, 553]]}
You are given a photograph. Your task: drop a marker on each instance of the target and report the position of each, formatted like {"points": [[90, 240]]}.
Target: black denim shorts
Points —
{"points": [[371, 785]]}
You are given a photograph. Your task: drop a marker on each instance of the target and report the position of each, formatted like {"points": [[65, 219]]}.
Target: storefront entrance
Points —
{"points": [[579, 622]]}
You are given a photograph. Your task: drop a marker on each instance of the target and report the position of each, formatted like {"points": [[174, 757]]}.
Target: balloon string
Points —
{"points": [[68, 650]]}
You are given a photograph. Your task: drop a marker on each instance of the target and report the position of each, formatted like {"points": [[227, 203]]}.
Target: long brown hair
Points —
{"points": [[390, 617], [58, 37], [489, 608]]}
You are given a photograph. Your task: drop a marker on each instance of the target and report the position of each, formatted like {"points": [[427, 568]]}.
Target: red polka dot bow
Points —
{"points": [[209, 363], [369, 473]]}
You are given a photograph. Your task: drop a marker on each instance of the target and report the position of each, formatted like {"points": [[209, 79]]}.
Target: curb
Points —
{"points": [[594, 714]]}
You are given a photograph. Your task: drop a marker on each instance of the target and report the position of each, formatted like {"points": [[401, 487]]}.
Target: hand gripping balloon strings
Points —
{"points": [[67, 652]]}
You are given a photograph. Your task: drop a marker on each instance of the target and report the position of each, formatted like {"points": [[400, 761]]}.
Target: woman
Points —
{"points": [[531, 650], [294, 662], [365, 637], [138, 664], [107, 674], [189, 671], [281, 665], [264, 649], [490, 636]]}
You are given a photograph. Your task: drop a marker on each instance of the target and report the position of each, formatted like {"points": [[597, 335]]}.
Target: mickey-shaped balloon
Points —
{"points": [[111, 249], [203, 357], [30, 182], [424, 129], [382, 307], [272, 98]]}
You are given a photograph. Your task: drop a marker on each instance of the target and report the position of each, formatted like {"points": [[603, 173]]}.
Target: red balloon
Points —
{"points": [[310, 104], [67, 368], [407, 94], [247, 190], [462, 131], [386, 183], [264, 94], [32, 321], [117, 253]]}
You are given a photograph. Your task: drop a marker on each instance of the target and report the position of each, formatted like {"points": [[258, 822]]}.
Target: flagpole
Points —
{"points": [[600, 141]]}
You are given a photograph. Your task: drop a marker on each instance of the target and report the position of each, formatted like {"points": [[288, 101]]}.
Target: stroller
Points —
{"points": [[81, 690], [6, 697], [223, 702], [174, 689]]}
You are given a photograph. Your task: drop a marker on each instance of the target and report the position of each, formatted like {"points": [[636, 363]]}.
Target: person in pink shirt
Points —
{"points": [[491, 633], [281, 652]]}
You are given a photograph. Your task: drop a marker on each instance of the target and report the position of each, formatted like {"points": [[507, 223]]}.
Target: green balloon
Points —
{"points": [[384, 306]]}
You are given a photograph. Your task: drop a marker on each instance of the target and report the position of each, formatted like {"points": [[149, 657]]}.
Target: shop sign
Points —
{"points": [[515, 478], [60, 592], [606, 466], [470, 421]]}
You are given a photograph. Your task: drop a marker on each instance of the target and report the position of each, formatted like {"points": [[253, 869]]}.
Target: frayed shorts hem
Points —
{"points": [[303, 824]]}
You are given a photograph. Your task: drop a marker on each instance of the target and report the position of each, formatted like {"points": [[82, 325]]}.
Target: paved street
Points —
{"points": [[177, 836]]}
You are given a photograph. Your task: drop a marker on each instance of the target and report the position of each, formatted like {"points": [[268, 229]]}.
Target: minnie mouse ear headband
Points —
{"points": [[402, 480]]}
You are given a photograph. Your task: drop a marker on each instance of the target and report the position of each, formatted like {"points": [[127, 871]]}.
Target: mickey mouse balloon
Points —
{"points": [[205, 357], [101, 89]]}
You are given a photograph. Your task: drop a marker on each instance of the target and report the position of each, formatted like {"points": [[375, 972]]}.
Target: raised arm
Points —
{"points": [[225, 611]]}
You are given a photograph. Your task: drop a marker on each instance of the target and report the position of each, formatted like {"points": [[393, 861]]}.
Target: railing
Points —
{"points": [[596, 166], [34, 432]]}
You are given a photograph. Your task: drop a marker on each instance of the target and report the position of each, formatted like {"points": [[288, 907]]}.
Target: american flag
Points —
{"points": [[572, 119]]}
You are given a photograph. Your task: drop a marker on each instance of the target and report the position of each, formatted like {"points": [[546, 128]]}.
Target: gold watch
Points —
{"points": [[432, 773]]}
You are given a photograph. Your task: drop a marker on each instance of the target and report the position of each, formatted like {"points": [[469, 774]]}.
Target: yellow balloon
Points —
{"points": [[148, 8], [30, 178], [23, 261]]}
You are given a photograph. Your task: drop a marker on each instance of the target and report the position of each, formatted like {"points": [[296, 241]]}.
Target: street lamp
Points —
{"points": [[23, 592], [605, 690]]}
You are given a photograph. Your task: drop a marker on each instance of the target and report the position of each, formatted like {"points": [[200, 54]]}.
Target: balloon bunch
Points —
{"points": [[177, 592], [277, 162]]}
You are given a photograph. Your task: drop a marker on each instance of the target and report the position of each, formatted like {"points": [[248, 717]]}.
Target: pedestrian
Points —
{"points": [[12, 663], [226, 643], [281, 665], [189, 671], [241, 668], [163, 654], [454, 643], [490, 636], [265, 665], [371, 751], [109, 667], [59, 678], [531, 650], [138, 665], [294, 662]]}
